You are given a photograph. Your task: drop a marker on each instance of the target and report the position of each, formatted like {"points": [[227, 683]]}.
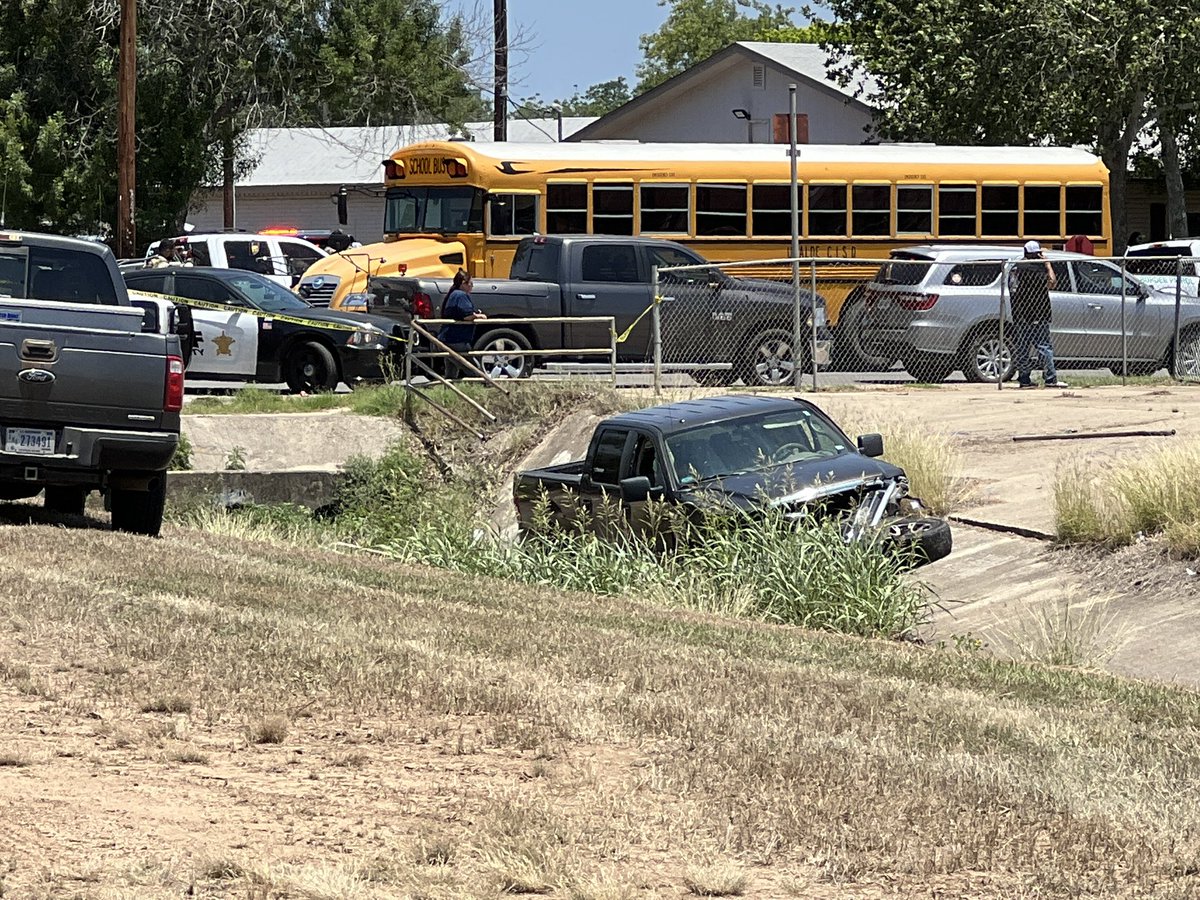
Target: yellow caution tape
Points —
{"points": [[624, 335], [258, 313]]}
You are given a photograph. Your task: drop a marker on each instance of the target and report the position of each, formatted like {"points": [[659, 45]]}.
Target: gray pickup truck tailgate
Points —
{"points": [[83, 364]]}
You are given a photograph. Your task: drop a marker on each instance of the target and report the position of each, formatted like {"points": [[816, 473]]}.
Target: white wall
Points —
{"points": [[701, 110], [290, 207]]}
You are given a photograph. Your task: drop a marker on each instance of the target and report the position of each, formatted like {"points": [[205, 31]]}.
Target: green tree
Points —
{"points": [[696, 29], [598, 100], [1002, 72]]}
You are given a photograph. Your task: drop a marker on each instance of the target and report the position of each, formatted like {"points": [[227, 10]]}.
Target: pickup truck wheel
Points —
{"points": [[924, 539], [850, 353], [767, 359], [309, 367], [1185, 361], [68, 501], [139, 512], [506, 354]]}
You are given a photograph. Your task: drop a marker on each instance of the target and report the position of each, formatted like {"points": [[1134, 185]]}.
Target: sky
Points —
{"points": [[561, 44]]}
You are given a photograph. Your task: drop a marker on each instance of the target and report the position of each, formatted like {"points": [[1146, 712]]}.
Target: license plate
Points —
{"points": [[35, 441]]}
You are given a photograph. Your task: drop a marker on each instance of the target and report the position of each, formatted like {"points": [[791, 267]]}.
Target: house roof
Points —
{"points": [[304, 156], [806, 62]]}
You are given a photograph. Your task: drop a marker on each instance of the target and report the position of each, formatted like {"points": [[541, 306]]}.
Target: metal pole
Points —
{"points": [[797, 316], [1005, 274], [1124, 331], [656, 325], [500, 117], [1176, 368], [408, 373], [813, 274], [126, 125]]}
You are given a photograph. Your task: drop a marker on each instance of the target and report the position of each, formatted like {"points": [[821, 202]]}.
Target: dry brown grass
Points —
{"points": [[520, 739]]}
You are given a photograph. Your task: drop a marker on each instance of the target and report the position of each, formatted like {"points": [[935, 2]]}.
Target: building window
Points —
{"points": [[914, 209], [721, 210], [1042, 204], [612, 209], [566, 208], [827, 209], [956, 210], [514, 215], [1000, 212], [871, 206], [772, 209], [1085, 209], [664, 209]]}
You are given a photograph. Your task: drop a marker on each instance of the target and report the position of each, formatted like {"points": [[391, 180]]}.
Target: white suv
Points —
{"points": [[1158, 264], [281, 258]]}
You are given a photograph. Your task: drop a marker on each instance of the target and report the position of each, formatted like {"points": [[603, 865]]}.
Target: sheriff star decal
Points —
{"points": [[224, 343]]}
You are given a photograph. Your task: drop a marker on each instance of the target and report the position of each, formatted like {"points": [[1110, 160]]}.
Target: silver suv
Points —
{"points": [[938, 309]]}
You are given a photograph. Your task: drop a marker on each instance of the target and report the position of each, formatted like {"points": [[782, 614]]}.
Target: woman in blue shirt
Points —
{"points": [[459, 307]]}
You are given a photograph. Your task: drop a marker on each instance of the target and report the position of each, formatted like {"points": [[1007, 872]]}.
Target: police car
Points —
{"points": [[252, 329]]}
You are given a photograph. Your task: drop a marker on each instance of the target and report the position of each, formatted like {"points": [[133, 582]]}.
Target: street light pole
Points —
{"points": [[126, 151]]}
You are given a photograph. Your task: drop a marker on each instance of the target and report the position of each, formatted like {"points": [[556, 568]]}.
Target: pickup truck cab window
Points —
{"points": [[536, 261], [69, 276], [612, 263], [606, 460], [645, 461], [252, 256]]}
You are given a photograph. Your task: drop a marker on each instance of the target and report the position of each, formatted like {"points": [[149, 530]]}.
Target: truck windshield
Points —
{"points": [[754, 443], [434, 210]]}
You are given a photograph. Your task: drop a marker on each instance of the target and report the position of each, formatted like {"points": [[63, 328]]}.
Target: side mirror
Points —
{"points": [[635, 489], [870, 445]]}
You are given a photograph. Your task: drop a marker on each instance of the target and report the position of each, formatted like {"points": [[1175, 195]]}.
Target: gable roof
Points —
{"points": [[805, 62]]}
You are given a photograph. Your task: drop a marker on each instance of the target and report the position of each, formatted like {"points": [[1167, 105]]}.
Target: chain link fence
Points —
{"points": [[932, 314]]}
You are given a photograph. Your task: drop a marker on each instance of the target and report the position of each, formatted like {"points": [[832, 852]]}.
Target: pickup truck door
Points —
{"points": [[609, 279], [228, 337], [600, 494], [644, 459]]}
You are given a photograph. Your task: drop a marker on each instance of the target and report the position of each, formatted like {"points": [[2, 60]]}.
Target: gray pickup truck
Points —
{"points": [[716, 326], [747, 453], [90, 386]]}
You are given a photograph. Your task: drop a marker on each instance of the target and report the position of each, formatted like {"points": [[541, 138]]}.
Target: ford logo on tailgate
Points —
{"points": [[35, 376]]}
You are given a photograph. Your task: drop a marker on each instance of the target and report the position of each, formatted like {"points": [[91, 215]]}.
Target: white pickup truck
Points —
{"points": [[280, 257]]}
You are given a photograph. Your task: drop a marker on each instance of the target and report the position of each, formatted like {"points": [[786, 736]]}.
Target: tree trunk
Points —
{"points": [[1177, 224], [1115, 143], [227, 177]]}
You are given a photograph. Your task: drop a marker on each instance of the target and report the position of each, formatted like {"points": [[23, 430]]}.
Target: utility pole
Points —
{"points": [[126, 147], [500, 121]]}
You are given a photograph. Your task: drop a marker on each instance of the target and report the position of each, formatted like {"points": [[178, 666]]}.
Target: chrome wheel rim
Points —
{"points": [[1189, 357], [503, 358], [773, 361], [993, 360]]}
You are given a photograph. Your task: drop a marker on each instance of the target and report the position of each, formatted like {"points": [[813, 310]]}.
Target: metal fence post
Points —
{"points": [[612, 333], [656, 326], [1005, 274], [1124, 330], [408, 364], [797, 329], [1176, 368], [813, 286]]}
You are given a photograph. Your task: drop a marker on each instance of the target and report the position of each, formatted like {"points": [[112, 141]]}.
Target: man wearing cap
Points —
{"points": [[1031, 282]]}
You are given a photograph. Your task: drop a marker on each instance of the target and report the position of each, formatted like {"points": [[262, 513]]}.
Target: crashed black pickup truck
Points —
{"points": [[743, 453]]}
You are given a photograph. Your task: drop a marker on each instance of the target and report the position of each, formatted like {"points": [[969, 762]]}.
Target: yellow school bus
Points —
{"points": [[453, 204]]}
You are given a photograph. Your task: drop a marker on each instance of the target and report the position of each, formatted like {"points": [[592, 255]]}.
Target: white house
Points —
{"points": [[741, 95]]}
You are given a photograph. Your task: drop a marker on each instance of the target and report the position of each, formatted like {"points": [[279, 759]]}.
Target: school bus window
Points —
{"points": [[1041, 209], [612, 208], [1001, 214], [721, 210], [1085, 209], [514, 214], [956, 210], [566, 208], [827, 209], [914, 209], [871, 206], [772, 209], [664, 209]]}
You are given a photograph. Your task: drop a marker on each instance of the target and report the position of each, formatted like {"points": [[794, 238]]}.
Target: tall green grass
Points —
{"points": [[1158, 494]]}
